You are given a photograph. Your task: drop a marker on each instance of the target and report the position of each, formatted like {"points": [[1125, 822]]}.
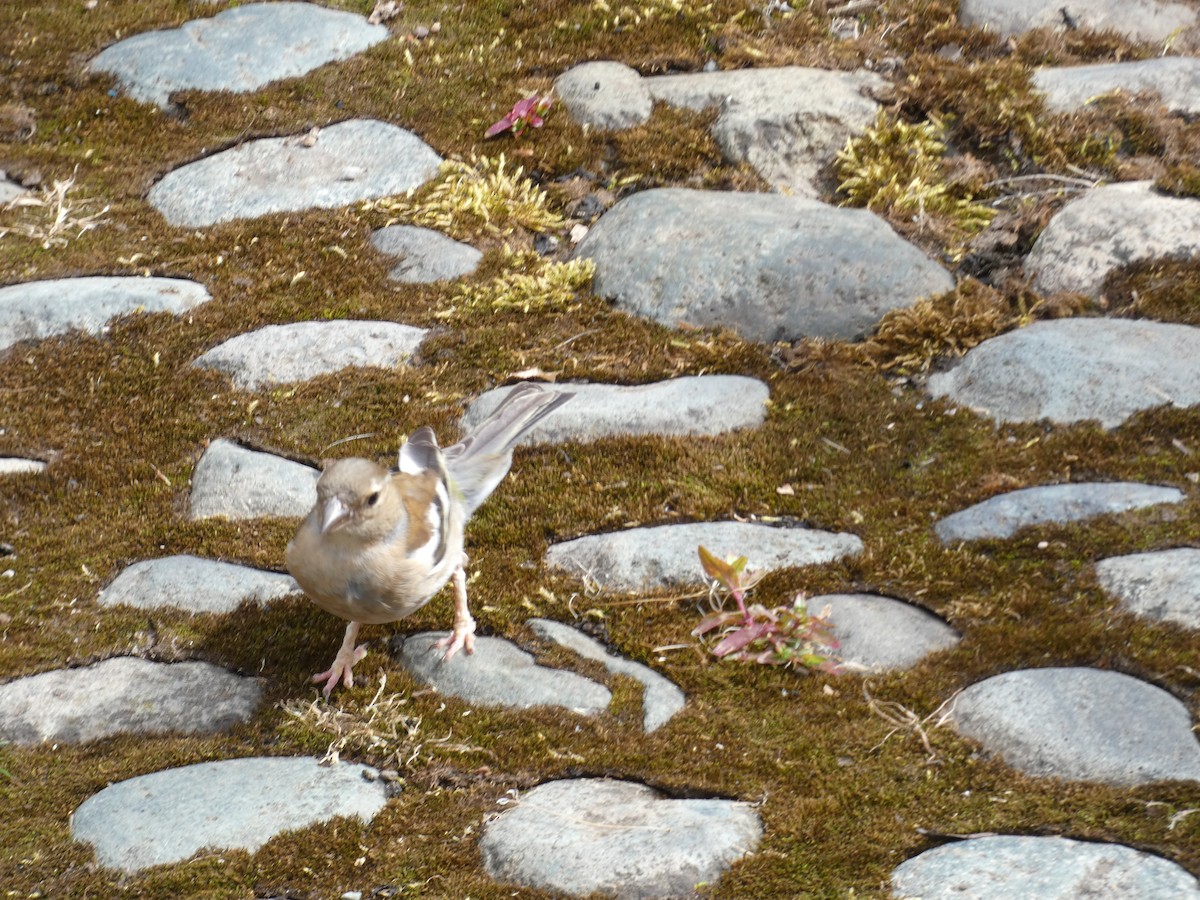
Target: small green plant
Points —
{"points": [[530, 283], [783, 636]]}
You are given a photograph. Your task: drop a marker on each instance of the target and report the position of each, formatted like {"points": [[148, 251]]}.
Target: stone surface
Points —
{"points": [[1052, 370], [238, 50], [1163, 585], [1143, 20], [278, 354], [9, 190], [233, 804], [661, 698], [616, 839], [425, 255], [1082, 724], [604, 95], [699, 405], [768, 266], [880, 633], [39, 309], [1012, 867], [350, 161], [194, 584], [1109, 227], [499, 673], [1004, 515], [16, 465], [650, 558], [236, 483], [1176, 79], [121, 695]]}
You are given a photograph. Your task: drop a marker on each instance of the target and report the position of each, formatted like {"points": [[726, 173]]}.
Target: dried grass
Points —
{"points": [[49, 216]]}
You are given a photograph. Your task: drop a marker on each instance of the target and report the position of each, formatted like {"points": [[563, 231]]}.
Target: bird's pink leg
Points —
{"points": [[463, 634], [346, 657]]}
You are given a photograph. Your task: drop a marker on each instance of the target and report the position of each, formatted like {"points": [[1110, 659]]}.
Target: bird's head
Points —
{"points": [[356, 497]]}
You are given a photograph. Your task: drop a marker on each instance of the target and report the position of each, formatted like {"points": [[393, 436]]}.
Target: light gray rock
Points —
{"points": [[232, 804], [9, 190], [350, 161], [786, 123], [699, 404], [1175, 78], [235, 483], [1110, 227], [881, 633], [40, 309], [1053, 370], [661, 698], [425, 255], [16, 465], [604, 95], [278, 354], [616, 839], [238, 50], [499, 673], [651, 558], [1082, 724], [768, 266], [1004, 515], [1163, 585], [1143, 20], [1012, 867], [125, 695], [194, 584]]}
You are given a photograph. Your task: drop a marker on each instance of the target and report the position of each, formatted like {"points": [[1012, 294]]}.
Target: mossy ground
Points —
{"points": [[124, 418]]}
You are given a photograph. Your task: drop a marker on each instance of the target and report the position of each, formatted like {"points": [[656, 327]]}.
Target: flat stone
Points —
{"points": [[661, 698], [1162, 585], [125, 695], [194, 584], [425, 255], [616, 839], [604, 95], [278, 354], [235, 483], [499, 673], [1004, 515], [16, 465], [1109, 227], [1012, 867], [771, 267], [1176, 79], [9, 190], [1051, 370], [232, 804], [350, 161], [1142, 20], [881, 633], [238, 50], [666, 555], [691, 405], [41, 309], [1082, 724]]}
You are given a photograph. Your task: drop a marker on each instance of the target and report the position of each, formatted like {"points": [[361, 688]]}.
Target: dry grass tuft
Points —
{"points": [[49, 216], [530, 283]]}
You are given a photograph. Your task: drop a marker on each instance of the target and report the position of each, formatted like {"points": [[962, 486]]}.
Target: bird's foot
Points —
{"points": [[462, 637], [341, 670]]}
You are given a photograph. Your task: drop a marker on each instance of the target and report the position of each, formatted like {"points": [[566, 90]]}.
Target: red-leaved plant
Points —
{"points": [[784, 636], [525, 113]]}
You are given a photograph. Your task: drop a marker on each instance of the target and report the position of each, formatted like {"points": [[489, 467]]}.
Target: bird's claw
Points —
{"points": [[462, 637], [341, 670]]}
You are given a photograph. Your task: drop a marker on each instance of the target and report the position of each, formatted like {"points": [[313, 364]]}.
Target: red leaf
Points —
{"points": [[738, 639]]}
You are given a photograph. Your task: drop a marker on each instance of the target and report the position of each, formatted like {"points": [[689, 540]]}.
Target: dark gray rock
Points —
{"points": [[125, 695], [40, 309], [1083, 724], [616, 839], [1052, 370], [350, 161], [425, 255], [1004, 515], [235, 483], [278, 354], [233, 804], [1011, 867], [1176, 79], [881, 633], [1163, 585], [238, 50], [700, 404], [194, 584], [604, 95], [499, 673], [1143, 20], [651, 558], [768, 266]]}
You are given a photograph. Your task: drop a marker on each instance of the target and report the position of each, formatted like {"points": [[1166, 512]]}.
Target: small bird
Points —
{"points": [[379, 543]]}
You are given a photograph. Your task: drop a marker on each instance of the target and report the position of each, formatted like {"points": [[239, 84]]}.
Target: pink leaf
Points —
{"points": [[740, 638]]}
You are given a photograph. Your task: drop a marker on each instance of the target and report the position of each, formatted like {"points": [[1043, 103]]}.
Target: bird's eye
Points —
{"points": [[373, 499]]}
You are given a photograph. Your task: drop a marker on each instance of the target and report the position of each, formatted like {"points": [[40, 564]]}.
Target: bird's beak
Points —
{"points": [[335, 513]]}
